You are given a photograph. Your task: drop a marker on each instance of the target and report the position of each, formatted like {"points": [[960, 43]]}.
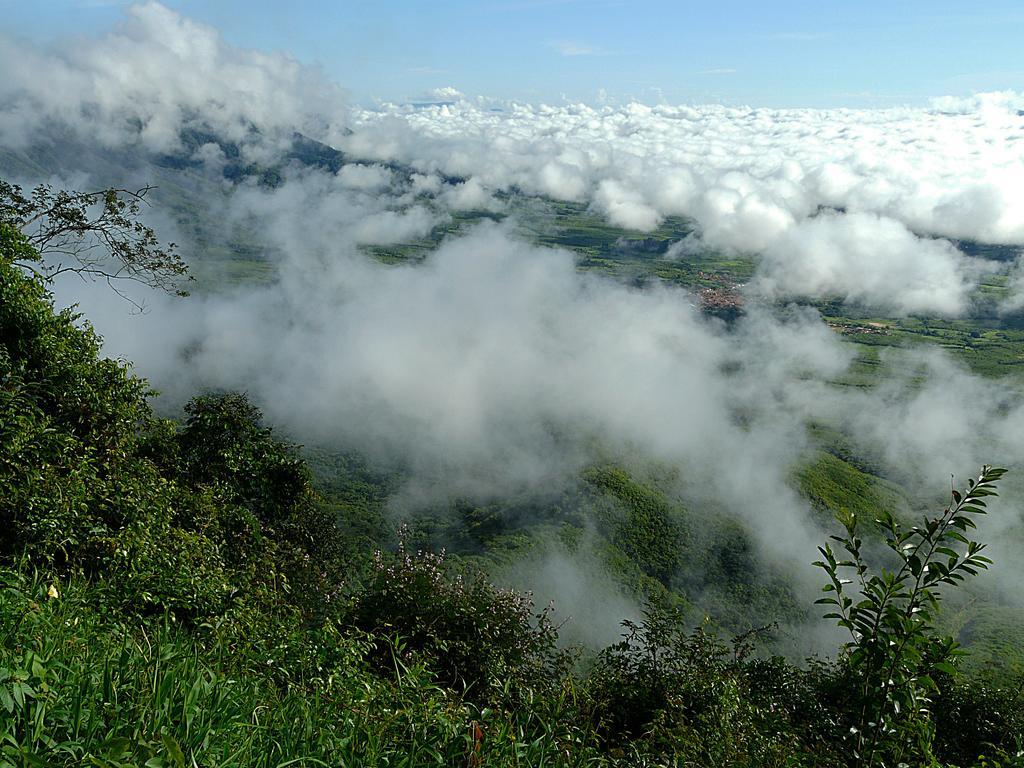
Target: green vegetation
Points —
{"points": [[179, 593], [649, 535], [81, 686], [893, 651], [835, 487], [92, 234]]}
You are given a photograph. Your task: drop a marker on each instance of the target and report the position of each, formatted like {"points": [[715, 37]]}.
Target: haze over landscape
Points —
{"points": [[614, 348]]}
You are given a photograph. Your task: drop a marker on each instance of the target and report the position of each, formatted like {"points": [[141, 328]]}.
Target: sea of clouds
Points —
{"points": [[851, 203], [494, 365], [757, 180]]}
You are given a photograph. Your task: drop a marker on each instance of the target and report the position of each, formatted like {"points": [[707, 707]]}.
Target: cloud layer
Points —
{"points": [[754, 179], [492, 351], [155, 74], [493, 365]]}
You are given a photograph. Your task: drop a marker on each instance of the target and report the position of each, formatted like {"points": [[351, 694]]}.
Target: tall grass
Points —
{"points": [[78, 687]]}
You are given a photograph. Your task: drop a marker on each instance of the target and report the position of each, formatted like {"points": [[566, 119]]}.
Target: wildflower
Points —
{"points": [[52, 592]]}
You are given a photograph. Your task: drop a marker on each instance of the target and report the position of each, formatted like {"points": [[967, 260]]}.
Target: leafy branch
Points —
{"points": [[893, 650], [96, 235]]}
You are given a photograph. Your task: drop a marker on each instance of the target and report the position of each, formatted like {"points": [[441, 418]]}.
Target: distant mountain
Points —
{"points": [[190, 183]]}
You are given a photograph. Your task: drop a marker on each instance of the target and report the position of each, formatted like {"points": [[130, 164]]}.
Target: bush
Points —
{"points": [[894, 653], [672, 694], [68, 421], [78, 687], [483, 642], [975, 720]]}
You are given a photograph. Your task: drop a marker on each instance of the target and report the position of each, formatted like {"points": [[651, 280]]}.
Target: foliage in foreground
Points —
{"points": [[172, 595], [78, 687], [96, 235], [82, 686], [894, 652]]}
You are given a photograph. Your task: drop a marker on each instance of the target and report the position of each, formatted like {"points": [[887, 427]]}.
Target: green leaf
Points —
{"points": [[914, 562], [174, 750]]}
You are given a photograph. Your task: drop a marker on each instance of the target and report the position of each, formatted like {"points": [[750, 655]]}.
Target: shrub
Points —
{"points": [[975, 719], [672, 694], [894, 652], [91, 482], [482, 641]]}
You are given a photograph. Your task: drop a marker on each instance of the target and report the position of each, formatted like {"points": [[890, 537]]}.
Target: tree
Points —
{"points": [[96, 235], [92, 482]]}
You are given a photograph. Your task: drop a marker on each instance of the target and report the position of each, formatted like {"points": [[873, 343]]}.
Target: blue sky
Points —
{"points": [[783, 53]]}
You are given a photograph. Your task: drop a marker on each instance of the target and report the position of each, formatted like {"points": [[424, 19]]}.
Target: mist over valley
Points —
{"points": [[628, 357]]}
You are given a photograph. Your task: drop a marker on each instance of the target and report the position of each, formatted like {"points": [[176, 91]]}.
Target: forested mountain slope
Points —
{"points": [[178, 593]]}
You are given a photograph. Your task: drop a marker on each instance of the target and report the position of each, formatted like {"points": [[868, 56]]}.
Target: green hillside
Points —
{"points": [[199, 592]]}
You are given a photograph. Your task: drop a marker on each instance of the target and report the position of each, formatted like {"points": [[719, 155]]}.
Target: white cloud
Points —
{"points": [[156, 73], [753, 178], [447, 93], [365, 177], [868, 259], [576, 48], [491, 364], [469, 195]]}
